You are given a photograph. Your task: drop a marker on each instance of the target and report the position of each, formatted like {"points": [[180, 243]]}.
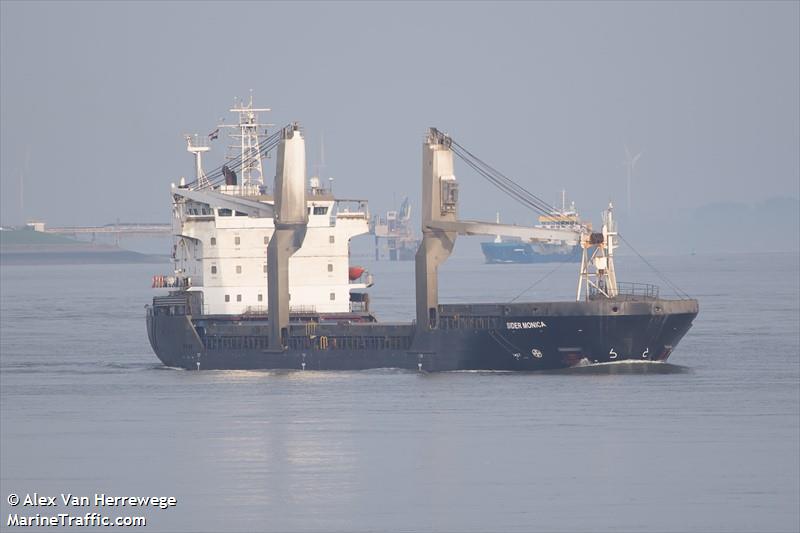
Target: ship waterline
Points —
{"points": [[519, 337]]}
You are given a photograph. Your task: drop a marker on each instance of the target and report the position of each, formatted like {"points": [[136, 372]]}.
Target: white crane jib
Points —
{"points": [[291, 223], [530, 234]]}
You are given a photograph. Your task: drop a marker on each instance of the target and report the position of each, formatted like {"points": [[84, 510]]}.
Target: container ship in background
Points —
{"points": [[515, 250], [262, 276]]}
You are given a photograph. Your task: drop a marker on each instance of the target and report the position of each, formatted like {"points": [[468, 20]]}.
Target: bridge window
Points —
{"points": [[238, 269], [213, 241], [239, 214], [227, 297], [320, 209], [224, 212], [213, 269]]}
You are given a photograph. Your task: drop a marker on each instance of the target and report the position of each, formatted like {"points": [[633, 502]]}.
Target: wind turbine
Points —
{"points": [[630, 164]]}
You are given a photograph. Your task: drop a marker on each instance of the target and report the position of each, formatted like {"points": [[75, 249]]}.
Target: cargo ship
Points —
{"points": [[262, 277], [515, 250]]}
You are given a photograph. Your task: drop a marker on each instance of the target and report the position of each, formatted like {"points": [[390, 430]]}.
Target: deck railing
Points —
{"points": [[629, 291], [637, 290]]}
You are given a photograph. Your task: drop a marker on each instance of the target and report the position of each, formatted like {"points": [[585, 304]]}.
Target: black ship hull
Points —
{"points": [[512, 337]]}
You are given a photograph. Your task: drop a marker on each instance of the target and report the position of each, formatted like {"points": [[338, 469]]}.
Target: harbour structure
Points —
{"points": [[394, 232], [191, 328], [116, 230]]}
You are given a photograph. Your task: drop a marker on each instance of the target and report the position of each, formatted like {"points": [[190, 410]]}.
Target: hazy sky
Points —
{"points": [[97, 96]]}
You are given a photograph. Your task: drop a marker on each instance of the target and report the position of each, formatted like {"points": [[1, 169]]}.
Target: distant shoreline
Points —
{"points": [[38, 255], [28, 247]]}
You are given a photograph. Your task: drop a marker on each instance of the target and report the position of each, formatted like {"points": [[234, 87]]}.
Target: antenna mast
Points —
{"points": [[320, 165], [197, 145], [598, 275], [248, 132]]}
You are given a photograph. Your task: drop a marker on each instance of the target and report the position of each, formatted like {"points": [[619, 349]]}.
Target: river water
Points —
{"points": [[710, 442]]}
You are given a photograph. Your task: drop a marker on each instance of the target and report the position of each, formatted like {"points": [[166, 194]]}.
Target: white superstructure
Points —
{"points": [[222, 252]]}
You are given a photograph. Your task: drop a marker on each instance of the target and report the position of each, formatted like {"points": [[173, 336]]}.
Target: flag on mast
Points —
{"points": [[214, 134]]}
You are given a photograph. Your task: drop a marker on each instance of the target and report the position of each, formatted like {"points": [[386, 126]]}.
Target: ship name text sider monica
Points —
{"points": [[526, 325]]}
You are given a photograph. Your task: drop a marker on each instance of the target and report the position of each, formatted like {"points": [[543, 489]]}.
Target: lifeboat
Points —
{"points": [[355, 272]]}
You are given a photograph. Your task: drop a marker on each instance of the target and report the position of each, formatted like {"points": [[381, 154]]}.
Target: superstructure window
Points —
{"points": [[333, 296], [238, 269], [265, 268], [330, 267], [238, 297], [320, 209], [227, 297], [213, 241], [224, 212], [331, 239], [260, 297], [213, 269], [266, 239], [237, 241]]}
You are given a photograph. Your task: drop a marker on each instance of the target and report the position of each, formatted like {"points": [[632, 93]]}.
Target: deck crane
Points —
{"points": [[441, 225]]}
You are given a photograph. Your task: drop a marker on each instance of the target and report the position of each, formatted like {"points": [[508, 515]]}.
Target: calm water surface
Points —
{"points": [[708, 443]]}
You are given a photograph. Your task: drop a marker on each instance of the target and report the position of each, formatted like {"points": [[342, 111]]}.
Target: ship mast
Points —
{"points": [[247, 135], [196, 145], [597, 261]]}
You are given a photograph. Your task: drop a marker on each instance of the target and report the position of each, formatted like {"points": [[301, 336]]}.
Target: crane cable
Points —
{"points": [[215, 176], [541, 279], [502, 182], [525, 197], [678, 291]]}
